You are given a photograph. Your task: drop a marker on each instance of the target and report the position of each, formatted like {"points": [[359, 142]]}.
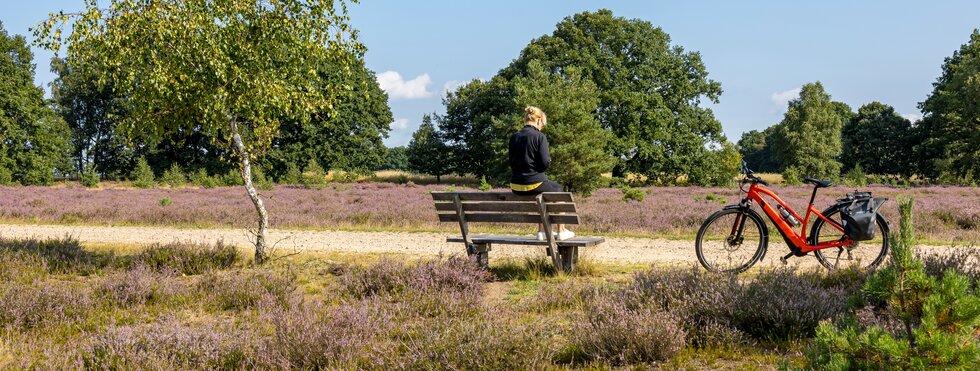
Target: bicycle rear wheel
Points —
{"points": [[731, 240], [860, 254]]}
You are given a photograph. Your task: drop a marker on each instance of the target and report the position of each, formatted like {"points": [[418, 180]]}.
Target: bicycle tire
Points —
{"points": [[878, 249], [757, 225]]}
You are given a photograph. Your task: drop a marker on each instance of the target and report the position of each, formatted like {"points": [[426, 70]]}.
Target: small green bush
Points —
{"points": [[792, 176], [89, 178], [260, 180], [633, 194], [188, 258], [143, 175], [165, 201], [314, 176], [293, 175], [856, 176], [232, 178], [6, 177], [174, 176], [484, 186], [202, 179]]}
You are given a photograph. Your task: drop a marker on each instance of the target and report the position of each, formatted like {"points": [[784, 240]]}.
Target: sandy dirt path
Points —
{"points": [[615, 250]]}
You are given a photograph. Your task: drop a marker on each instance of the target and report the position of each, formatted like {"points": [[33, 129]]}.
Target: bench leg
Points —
{"points": [[481, 254], [568, 256]]}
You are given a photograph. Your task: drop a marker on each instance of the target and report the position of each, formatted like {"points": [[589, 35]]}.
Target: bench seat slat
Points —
{"points": [[528, 240], [524, 207], [500, 196], [508, 218]]}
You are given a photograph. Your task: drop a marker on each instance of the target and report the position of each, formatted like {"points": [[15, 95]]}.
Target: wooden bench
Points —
{"points": [[505, 207]]}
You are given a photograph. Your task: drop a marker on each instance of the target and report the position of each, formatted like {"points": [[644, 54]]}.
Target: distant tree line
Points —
{"points": [[822, 138]]}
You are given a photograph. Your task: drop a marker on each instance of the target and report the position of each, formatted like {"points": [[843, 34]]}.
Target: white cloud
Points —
{"points": [[398, 88], [399, 124], [912, 117], [452, 85], [783, 98]]}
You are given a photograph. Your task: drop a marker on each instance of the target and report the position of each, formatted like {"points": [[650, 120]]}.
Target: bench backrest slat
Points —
{"points": [[493, 206], [500, 196], [510, 218]]}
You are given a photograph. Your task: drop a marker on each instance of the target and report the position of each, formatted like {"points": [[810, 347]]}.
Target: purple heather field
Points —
{"points": [[950, 214]]}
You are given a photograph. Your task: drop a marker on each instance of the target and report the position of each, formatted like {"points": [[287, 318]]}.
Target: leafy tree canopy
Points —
{"points": [[33, 139], [877, 140], [808, 140], [427, 154]]}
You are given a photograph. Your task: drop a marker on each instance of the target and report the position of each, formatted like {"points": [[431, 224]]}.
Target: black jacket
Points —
{"points": [[529, 157]]}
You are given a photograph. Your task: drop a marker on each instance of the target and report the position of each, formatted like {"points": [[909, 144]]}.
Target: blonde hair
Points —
{"points": [[532, 114]]}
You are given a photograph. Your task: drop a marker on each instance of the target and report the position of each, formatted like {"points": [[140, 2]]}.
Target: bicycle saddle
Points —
{"points": [[818, 183]]}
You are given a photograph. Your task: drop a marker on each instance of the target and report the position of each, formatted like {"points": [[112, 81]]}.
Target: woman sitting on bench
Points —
{"points": [[529, 158]]}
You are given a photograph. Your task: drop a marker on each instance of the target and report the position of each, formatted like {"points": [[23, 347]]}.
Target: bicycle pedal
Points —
{"points": [[785, 259]]}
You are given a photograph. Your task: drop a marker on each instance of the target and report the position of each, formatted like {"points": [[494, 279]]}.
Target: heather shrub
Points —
{"points": [[41, 303], [916, 321], [143, 175], [169, 345], [245, 289], [139, 286], [89, 177], [174, 176], [21, 267], [963, 260], [64, 256], [314, 336], [489, 342], [781, 304], [564, 295], [621, 335], [704, 302], [188, 258], [429, 288], [202, 179]]}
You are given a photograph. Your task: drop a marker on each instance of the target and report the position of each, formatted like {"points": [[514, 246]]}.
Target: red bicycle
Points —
{"points": [[735, 238]]}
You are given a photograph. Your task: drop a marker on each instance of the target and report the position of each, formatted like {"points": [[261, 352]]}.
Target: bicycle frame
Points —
{"points": [[798, 240]]}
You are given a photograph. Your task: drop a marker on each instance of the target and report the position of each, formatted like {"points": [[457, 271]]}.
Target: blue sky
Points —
{"points": [[760, 51]]}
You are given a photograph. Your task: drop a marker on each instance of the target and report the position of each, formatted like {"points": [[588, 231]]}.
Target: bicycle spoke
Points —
{"points": [[725, 246]]}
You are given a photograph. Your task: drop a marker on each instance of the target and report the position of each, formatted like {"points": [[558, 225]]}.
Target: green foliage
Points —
{"points": [[578, 143], [260, 179], [6, 177], [427, 154], [202, 179], [232, 178], [792, 176], [756, 149], [293, 175], [877, 139], [396, 159], [718, 167], [480, 117], [939, 318], [143, 175], [33, 139], [90, 178], [633, 194], [948, 137], [649, 90], [484, 186], [809, 137], [166, 201], [174, 176], [314, 176], [856, 176]]}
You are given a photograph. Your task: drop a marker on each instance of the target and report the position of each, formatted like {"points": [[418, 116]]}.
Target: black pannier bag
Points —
{"points": [[859, 213]]}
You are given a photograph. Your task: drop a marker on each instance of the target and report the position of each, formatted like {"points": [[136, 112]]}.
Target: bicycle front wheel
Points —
{"points": [[731, 240], [859, 254]]}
